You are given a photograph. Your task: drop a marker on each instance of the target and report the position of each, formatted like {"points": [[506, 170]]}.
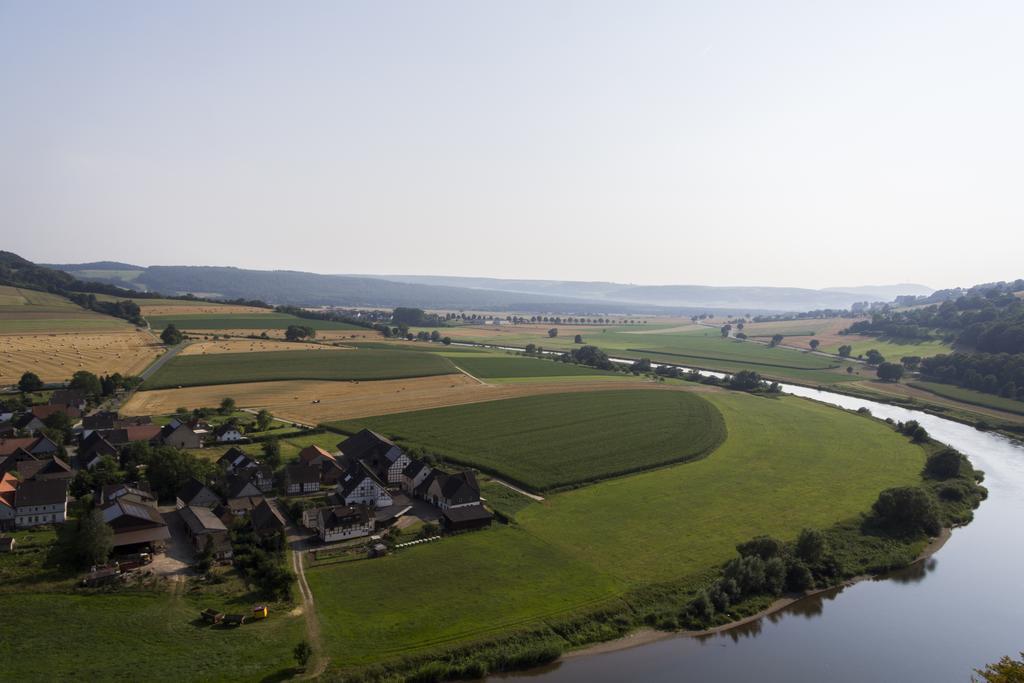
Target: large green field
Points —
{"points": [[505, 366], [691, 346], [156, 628], [786, 464], [892, 349], [26, 311], [233, 368], [243, 321], [550, 441], [970, 396]]}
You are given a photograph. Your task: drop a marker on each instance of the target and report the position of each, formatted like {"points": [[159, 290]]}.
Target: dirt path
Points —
{"points": [[309, 612], [518, 490]]}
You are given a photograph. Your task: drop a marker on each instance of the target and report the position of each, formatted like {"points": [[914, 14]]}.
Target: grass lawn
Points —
{"points": [[970, 396], [502, 498], [242, 321], [290, 446], [233, 368], [556, 440], [786, 464]]}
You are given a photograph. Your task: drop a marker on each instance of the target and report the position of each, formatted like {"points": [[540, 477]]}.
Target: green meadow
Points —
{"points": [[550, 441], [970, 396], [786, 464], [233, 368]]}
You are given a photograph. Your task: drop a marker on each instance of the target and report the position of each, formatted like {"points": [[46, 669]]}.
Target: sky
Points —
{"points": [[803, 144]]}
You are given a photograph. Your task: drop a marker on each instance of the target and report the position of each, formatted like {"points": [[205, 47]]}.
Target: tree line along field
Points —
{"points": [[786, 464], [231, 368], [551, 441], [257, 321], [970, 396]]}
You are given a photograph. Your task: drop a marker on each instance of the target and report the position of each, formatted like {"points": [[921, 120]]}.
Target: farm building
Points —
{"points": [[414, 474], [266, 520], [180, 435], [203, 527], [43, 412], [300, 478], [450, 490], [68, 398], [465, 518], [228, 433], [342, 523], [361, 486], [135, 520], [314, 455], [51, 467], [112, 492], [36, 445], [385, 459], [235, 461]]}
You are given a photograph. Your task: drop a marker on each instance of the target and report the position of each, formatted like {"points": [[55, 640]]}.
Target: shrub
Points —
{"points": [[810, 546], [907, 510], [943, 465], [764, 547], [799, 577]]}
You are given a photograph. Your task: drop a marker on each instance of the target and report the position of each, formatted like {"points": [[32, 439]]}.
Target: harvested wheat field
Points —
{"points": [[293, 400], [203, 348], [184, 308], [55, 357]]}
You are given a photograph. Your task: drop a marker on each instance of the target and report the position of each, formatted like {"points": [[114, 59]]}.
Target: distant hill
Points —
{"points": [[425, 291]]}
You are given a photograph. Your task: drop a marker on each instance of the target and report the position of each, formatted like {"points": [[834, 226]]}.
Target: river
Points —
{"points": [[935, 621]]}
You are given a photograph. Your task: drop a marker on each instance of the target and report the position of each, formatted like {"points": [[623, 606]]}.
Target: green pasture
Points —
{"points": [[970, 396], [550, 441], [233, 368], [892, 349]]}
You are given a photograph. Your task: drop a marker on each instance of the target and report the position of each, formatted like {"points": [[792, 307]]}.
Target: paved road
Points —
{"points": [[162, 360]]}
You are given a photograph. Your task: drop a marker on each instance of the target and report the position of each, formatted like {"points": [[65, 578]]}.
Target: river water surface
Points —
{"points": [[935, 621]]}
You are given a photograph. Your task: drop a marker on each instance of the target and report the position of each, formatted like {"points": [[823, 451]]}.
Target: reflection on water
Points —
{"points": [[935, 620]]}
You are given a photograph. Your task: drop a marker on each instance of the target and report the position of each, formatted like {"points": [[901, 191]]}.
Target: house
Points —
{"points": [[266, 520], [465, 518], [68, 398], [28, 423], [380, 454], [450, 490], [235, 460], [94, 448], [112, 492], [228, 433], [241, 485], [44, 468], [43, 412], [135, 520], [204, 528], [300, 478], [180, 436], [342, 523], [196, 494], [361, 486], [8, 486], [314, 455], [7, 429], [414, 474], [10, 463], [36, 445], [263, 477], [243, 505], [40, 501]]}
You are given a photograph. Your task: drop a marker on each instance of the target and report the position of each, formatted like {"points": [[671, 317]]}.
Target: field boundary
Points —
{"points": [[727, 360]]}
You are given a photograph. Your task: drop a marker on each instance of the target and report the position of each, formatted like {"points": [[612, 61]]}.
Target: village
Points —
{"points": [[354, 499]]}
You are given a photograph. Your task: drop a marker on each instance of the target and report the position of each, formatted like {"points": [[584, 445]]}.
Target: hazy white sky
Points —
{"points": [[779, 143]]}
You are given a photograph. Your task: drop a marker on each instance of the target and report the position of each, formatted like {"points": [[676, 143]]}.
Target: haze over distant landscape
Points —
{"points": [[726, 144]]}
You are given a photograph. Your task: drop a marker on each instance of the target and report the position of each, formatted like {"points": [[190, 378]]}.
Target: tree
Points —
{"points": [[849, 369], [409, 317], [264, 420], [874, 357], [845, 350], [908, 510], [93, 539], [227, 406], [890, 372], [172, 336], [302, 653], [30, 383], [553, 332], [1006, 670], [299, 332], [272, 453], [726, 329], [642, 365], [86, 382], [447, 341], [776, 340], [745, 380], [530, 349], [578, 339], [943, 465], [435, 336], [911, 362], [810, 546], [814, 344], [58, 427]]}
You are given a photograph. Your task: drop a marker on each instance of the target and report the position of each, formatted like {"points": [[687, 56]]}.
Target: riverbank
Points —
{"points": [[646, 636]]}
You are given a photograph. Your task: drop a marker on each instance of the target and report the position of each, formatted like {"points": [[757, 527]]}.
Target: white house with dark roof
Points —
{"points": [[414, 474], [360, 486], [228, 433], [41, 501], [384, 458], [342, 523]]}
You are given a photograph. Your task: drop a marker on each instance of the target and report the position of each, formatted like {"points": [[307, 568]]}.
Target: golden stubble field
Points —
{"points": [[294, 400], [55, 357], [198, 308], [202, 348]]}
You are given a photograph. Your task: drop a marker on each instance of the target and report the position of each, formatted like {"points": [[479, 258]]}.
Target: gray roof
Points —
{"points": [[201, 520]]}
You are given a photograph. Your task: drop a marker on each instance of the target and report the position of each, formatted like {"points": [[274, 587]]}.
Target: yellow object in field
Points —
{"points": [[260, 612]]}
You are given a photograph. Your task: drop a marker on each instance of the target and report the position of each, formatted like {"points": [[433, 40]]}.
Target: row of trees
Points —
{"points": [[993, 373]]}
